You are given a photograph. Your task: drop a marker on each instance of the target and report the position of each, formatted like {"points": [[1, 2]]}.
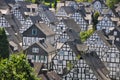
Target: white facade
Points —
{"points": [[106, 23], [79, 19], [4, 22]]}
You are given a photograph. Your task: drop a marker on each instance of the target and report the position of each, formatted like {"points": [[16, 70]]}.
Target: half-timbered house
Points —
{"points": [[65, 11], [106, 23], [4, 8], [3, 21], [23, 9], [72, 4], [107, 47], [37, 32], [18, 10], [79, 18], [63, 25], [48, 17], [29, 22], [42, 52], [65, 54], [98, 5]]}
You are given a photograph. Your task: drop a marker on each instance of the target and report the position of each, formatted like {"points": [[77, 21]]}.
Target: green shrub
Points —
{"points": [[86, 34]]}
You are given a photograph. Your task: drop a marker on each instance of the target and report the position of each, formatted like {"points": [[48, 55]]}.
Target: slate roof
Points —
{"points": [[53, 75], [23, 3], [103, 36], [86, 4], [82, 12], [74, 40], [43, 7], [37, 67], [72, 45], [13, 21], [43, 77], [46, 46], [68, 9], [116, 43], [35, 19], [97, 66], [3, 5], [10, 2], [82, 47], [72, 34], [45, 29], [13, 37], [71, 24], [50, 15], [23, 7]]}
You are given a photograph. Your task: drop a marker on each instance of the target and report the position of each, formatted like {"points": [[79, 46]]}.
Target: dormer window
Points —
{"points": [[34, 31], [115, 33], [35, 50], [33, 9]]}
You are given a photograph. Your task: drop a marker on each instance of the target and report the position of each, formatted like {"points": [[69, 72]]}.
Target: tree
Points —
{"points": [[33, 1], [4, 45], [55, 4], [86, 34], [95, 19], [110, 3], [16, 68]]}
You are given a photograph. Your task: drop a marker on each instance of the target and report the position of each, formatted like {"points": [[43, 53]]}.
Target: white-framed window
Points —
{"points": [[35, 50], [34, 31], [117, 39], [115, 33]]}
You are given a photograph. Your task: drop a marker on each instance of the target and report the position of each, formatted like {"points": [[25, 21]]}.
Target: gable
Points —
{"points": [[4, 22], [112, 60], [106, 23], [60, 27], [79, 19], [60, 60], [28, 22], [61, 12], [34, 31], [96, 43], [30, 51], [18, 15], [80, 71]]}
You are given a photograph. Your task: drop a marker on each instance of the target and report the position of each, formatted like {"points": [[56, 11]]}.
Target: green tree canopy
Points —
{"points": [[4, 45], [95, 19], [16, 68], [86, 34], [111, 3]]}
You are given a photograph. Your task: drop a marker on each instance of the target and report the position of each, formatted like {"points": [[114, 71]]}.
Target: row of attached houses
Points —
{"points": [[53, 39], [107, 47]]}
